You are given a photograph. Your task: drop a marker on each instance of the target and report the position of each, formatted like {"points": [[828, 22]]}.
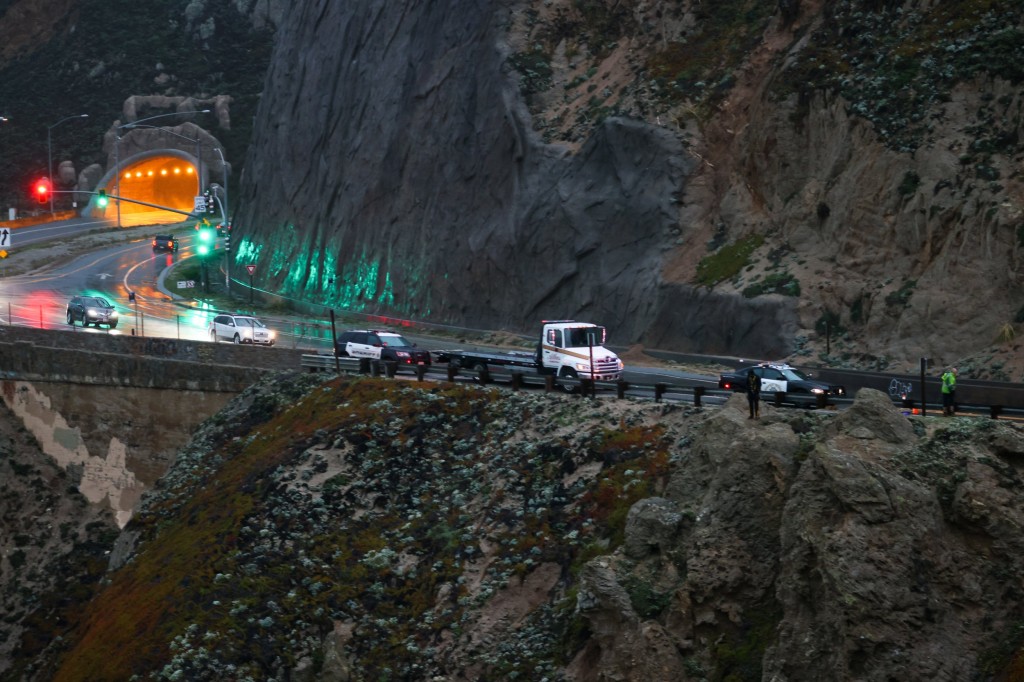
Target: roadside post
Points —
{"points": [[334, 345], [924, 401], [132, 298], [251, 268]]}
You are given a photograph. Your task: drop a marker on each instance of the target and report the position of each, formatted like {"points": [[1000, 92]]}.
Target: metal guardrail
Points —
{"points": [[516, 379]]}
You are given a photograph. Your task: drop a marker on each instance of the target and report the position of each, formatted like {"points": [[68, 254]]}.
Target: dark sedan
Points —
{"points": [[779, 378], [165, 242], [91, 310]]}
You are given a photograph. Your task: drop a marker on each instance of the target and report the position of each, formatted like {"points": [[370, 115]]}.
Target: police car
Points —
{"points": [[779, 378], [383, 345]]}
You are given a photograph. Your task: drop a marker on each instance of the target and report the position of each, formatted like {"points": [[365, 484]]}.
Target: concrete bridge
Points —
{"points": [[112, 409]]}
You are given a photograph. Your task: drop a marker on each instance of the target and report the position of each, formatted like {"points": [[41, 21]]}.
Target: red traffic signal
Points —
{"points": [[42, 190]]}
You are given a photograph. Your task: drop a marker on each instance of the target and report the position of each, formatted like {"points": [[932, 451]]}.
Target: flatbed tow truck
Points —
{"points": [[566, 349]]}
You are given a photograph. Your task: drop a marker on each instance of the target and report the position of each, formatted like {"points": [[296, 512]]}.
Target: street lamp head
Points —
{"points": [[67, 118]]}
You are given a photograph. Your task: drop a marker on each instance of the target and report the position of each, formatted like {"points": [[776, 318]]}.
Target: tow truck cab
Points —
{"points": [[573, 349]]}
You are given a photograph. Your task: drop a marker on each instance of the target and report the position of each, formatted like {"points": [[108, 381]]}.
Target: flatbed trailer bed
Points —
{"points": [[472, 359]]}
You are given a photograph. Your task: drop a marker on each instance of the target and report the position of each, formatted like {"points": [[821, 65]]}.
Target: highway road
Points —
{"points": [[36, 234], [40, 300]]}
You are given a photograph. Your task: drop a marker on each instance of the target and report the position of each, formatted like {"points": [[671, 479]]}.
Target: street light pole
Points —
{"points": [[224, 169], [227, 218], [117, 177], [49, 152]]}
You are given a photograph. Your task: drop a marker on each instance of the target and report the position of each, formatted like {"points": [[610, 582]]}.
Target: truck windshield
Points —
{"points": [[584, 336]]}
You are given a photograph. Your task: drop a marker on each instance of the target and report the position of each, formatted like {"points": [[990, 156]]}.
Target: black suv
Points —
{"points": [[165, 242], [380, 345]]}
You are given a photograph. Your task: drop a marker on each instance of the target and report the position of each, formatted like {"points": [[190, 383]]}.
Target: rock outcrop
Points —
{"points": [[362, 528]]}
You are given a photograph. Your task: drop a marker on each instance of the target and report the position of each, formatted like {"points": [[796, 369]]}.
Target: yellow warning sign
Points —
{"points": [[3, 254]]}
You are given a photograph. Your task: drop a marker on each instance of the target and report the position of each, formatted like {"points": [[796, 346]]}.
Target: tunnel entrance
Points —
{"points": [[162, 179]]}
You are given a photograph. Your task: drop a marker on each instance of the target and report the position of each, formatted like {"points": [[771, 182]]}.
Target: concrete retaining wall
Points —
{"points": [[115, 360]]}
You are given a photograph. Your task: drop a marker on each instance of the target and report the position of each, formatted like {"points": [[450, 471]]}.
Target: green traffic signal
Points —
{"points": [[206, 235], [203, 250], [101, 198]]}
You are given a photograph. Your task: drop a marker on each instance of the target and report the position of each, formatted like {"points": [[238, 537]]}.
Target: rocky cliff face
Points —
{"points": [[735, 178], [423, 189], [363, 528], [53, 548]]}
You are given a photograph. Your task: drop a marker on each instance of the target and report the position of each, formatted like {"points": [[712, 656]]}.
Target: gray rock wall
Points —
{"points": [[394, 169]]}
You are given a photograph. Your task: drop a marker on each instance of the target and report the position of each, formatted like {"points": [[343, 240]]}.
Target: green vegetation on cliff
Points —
{"points": [[371, 504]]}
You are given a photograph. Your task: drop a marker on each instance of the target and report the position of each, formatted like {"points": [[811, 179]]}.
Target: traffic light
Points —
{"points": [[206, 241], [211, 206], [42, 190], [101, 198]]}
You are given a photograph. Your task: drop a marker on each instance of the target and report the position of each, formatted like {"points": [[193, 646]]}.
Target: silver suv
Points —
{"points": [[241, 329]]}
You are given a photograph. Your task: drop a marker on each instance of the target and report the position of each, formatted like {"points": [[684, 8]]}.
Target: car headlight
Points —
{"points": [[271, 334], [817, 390], [91, 311]]}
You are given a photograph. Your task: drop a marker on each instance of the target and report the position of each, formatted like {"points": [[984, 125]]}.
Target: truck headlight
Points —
{"points": [[582, 367]]}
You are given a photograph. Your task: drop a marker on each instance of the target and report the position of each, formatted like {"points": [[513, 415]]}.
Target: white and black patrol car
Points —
{"points": [[382, 345], [779, 377]]}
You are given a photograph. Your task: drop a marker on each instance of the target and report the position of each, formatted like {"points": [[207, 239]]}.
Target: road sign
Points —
{"points": [[186, 283], [5, 238], [200, 205], [250, 268]]}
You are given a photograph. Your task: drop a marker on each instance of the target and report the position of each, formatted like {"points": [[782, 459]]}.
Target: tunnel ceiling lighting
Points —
{"points": [[149, 173], [127, 175], [163, 171], [177, 171]]}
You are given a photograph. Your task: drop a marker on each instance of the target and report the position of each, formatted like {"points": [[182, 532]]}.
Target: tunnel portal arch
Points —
{"points": [[163, 177]]}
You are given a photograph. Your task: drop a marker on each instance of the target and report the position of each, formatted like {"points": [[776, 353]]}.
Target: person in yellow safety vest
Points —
{"points": [[949, 392]]}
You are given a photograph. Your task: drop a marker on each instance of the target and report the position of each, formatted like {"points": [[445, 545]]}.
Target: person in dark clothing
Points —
{"points": [[754, 394]]}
